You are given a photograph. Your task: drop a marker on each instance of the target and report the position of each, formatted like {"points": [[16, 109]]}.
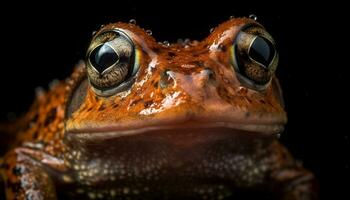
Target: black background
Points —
{"points": [[43, 42]]}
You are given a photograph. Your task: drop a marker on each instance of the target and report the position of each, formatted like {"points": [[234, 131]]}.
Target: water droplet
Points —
{"points": [[93, 33], [253, 17], [232, 16], [132, 21], [102, 26], [211, 30], [187, 41], [149, 32], [166, 43]]}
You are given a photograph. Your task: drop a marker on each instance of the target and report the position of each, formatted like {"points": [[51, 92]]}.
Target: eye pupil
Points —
{"points": [[103, 57], [262, 51]]}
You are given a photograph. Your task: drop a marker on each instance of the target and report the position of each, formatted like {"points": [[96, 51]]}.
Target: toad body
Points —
{"points": [[145, 120]]}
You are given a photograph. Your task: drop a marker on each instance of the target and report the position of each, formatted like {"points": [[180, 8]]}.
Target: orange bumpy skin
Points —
{"points": [[144, 120]]}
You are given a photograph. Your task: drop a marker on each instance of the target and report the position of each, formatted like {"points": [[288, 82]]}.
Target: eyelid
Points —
{"points": [[119, 31], [120, 46], [123, 33]]}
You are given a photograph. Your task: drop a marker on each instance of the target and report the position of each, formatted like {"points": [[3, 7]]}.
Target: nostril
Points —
{"points": [[166, 79], [204, 78], [210, 76]]}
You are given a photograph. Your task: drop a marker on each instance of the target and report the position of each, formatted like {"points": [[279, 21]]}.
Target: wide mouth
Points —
{"points": [[110, 132], [165, 156]]}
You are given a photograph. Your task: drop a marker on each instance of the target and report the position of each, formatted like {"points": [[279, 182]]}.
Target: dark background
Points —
{"points": [[43, 42]]}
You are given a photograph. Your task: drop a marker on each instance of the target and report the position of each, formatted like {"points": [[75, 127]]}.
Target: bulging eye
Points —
{"points": [[111, 63], [262, 51], [254, 57], [103, 57]]}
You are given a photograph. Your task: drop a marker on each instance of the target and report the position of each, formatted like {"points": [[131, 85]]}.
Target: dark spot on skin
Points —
{"points": [[222, 48], [35, 135], [50, 116], [148, 103], [247, 114], [35, 117], [172, 54], [89, 109], [262, 101], [115, 105], [17, 171], [102, 107], [156, 49], [156, 84]]}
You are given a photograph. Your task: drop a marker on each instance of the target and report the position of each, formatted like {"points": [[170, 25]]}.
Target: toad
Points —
{"points": [[139, 119]]}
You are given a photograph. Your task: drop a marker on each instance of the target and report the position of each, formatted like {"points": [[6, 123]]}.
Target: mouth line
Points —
{"points": [[112, 132]]}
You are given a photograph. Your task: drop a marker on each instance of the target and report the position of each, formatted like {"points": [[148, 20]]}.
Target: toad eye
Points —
{"points": [[111, 63], [254, 57], [261, 51], [103, 57]]}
